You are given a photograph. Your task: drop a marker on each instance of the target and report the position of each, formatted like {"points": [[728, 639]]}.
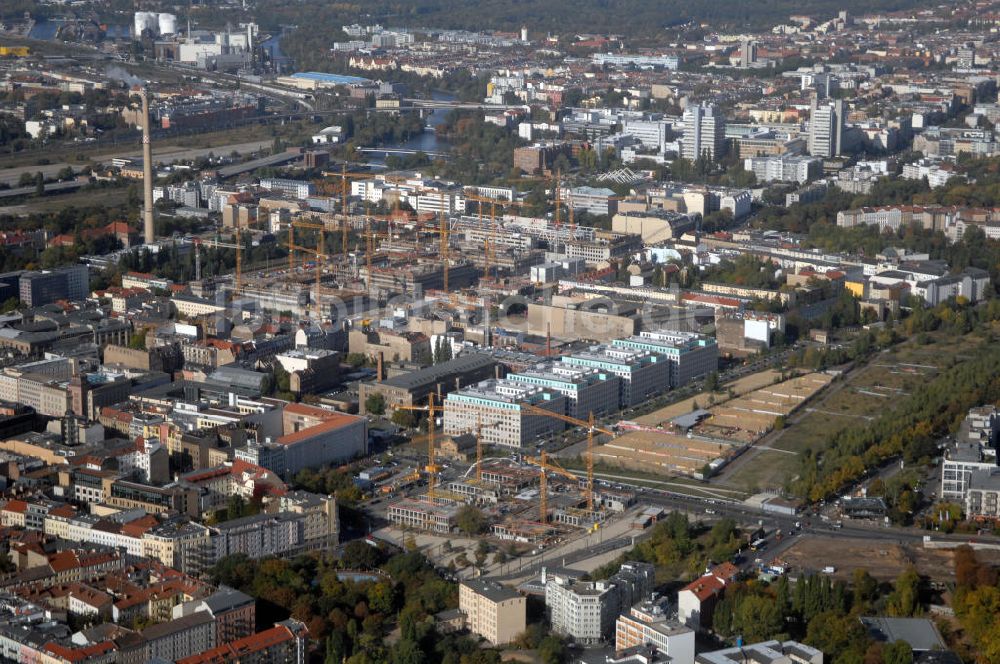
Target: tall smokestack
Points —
{"points": [[147, 173]]}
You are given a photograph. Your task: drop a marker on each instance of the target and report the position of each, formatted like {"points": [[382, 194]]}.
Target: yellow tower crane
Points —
{"points": [[490, 244], [432, 410], [345, 179], [545, 466], [238, 246], [591, 428]]}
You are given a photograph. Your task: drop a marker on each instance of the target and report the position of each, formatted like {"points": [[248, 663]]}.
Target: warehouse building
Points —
{"points": [[412, 389]]}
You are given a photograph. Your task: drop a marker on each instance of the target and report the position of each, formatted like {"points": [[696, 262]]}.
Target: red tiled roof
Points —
{"points": [[67, 511], [248, 645], [17, 506], [119, 227], [138, 527], [63, 560], [338, 421], [309, 411], [79, 653], [726, 571], [705, 587]]}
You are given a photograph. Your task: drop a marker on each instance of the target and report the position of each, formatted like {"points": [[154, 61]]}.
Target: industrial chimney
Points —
{"points": [[147, 173]]}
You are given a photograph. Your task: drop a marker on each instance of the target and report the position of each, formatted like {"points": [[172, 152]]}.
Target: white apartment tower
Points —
{"points": [[826, 128], [704, 133]]}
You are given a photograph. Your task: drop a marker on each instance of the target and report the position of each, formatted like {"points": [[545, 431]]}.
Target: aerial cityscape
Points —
{"points": [[534, 331]]}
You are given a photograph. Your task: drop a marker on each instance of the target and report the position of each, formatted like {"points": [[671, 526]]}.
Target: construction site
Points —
{"points": [[470, 247], [524, 499], [703, 440]]}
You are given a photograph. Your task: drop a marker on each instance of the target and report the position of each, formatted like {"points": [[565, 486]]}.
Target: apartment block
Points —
{"points": [[324, 436], [826, 129], [299, 189], [493, 611], [982, 495], [784, 168], [586, 611], [258, 536], [962, 460], [649, 623], [285, 643], [180, 638], [66, 283], [704, 133], [773, 652]]}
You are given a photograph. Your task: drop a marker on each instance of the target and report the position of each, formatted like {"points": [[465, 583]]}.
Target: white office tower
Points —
{"points": [[826, 129], [704, 133]]}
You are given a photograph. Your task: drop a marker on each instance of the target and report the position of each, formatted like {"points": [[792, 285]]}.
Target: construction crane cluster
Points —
{"points": [[544, 463], [486, 206]]}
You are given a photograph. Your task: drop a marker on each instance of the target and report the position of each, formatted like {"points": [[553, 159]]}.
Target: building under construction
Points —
{"points": [[510, 494]]}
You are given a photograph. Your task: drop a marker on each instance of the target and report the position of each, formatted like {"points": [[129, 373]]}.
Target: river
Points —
{"points": [[425, 142]]}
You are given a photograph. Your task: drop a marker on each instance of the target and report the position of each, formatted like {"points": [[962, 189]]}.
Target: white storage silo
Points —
{"points": [[167, 24], [145, 21]]}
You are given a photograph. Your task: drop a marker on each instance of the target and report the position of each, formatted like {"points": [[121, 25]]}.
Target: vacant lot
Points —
{"points": [[884, 560], [753, 414], [739, 387], [864, 394]]}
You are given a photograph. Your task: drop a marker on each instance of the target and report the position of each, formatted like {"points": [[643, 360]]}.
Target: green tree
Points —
{"points": [[138, 340], [358, 554], [552, 650], [406, 651], [403, 418], [897, 652], [864, 586], [904, 601], [837, 634], [375, 404], [470, 520], [335, 648], [356, 359], [712, 382]]}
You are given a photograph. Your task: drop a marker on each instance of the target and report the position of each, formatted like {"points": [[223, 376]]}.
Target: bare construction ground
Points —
{"points": [[884, 559], [731, 426], [739, 387], [860, 397]]}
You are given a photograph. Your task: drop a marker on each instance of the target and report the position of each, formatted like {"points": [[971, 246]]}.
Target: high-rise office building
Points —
{"points": [[748, 53], [67, 283], [704, 133], [826, 128]]}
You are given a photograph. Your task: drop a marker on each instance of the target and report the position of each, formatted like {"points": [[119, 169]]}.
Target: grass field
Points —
{"points": [[864, 394]]}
